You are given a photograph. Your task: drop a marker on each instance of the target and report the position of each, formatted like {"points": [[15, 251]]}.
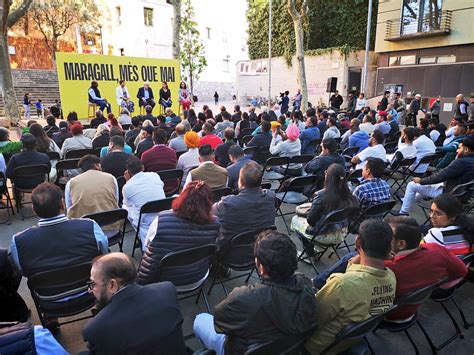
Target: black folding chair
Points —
{"points": [[126, 127], [246, 139], [39, 172], [350, 152], [354, 176], [413, 298], [78, 153], [107, 218], [220, 192], [263, 154], [335, 217], [96, 151], [62, 292], [53, 155], [239, 256], [427, 159], [399, 171], [313, 145], [150, 207], [292, 197], [299, 159], [253, 151], [184, 258], [121, 183], [404, 173], [390, 147], [4, 192], [269, 174], [171, 175], [61, 166]]}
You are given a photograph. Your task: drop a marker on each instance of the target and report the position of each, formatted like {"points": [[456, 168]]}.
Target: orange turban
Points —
{"points": [[191, 139]]}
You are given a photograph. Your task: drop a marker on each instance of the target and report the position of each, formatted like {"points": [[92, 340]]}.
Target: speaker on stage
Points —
{"points": [[332, 84]]}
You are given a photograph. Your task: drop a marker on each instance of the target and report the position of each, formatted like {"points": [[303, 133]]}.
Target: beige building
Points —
{"points": [[426, 46]]}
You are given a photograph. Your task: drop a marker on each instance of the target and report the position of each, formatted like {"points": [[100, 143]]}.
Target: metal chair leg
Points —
{"points": [[248, 277], [212, 286], [463, 316], [427, 337]]}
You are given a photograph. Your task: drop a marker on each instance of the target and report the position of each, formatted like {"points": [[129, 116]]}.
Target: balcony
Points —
{"points": [[428, 26]]}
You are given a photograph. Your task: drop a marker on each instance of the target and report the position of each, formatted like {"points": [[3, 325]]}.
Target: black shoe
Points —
{"points": [[398, 213]]}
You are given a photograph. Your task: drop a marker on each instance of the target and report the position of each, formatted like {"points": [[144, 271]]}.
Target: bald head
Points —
{"points": [[118, 266]]}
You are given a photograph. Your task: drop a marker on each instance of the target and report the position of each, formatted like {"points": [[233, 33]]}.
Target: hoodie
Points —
{"points": [[359, 139], [265, 312]]}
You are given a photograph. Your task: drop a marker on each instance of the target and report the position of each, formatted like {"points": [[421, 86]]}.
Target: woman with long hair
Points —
{"points": [[184, 96], [44, 145], [165, 96], [112, 121], [452, 228], [188, 224], [192, 118], [334, 196]]}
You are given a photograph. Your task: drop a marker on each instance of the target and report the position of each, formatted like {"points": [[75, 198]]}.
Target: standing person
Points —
{"points": [[351, 105], [384, 102], [26, 105], [95, 97], [336, 101], [297, 100], [123, 97], [361, 102], [400, 107], [461, 109], [216, 98], [184, 96], [145, 96], [165, 96], [39, 109], [415, 106], [284, 102], [435, 108]]}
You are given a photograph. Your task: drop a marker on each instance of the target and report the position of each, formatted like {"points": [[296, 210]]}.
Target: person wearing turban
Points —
{"points": [[190, 159], [288, 146]]}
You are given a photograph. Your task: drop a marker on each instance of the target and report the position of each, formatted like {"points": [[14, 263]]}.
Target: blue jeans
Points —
{"points": [[166, 104], [340, 267], [205, 332], [102, 104]]}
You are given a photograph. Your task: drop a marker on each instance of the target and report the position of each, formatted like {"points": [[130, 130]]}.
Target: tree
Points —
{"points": [[193, 60], [7, 20], [55, 17], [176, 27], [298, 16]]}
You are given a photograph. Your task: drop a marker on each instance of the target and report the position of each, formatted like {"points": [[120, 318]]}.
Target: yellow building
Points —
{"points": [[427, 47]]}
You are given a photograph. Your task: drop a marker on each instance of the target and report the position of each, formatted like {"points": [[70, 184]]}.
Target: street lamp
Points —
{"points": [[367, 47], [101, 41]]}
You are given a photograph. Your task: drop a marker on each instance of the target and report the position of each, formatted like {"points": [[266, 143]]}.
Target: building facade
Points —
{"points": [[426, 47]]}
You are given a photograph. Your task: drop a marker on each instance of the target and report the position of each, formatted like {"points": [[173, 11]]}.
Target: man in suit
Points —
{"points": [[145, 95], [121, 307]]}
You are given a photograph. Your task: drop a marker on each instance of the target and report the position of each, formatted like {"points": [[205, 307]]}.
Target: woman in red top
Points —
{"points": [[184, 96]]}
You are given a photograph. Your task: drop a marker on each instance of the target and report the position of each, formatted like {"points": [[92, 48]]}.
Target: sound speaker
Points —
{"points": [[332, 84]]}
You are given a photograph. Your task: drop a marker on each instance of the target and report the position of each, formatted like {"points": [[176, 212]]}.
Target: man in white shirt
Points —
{"points": [[424, 146], [367, 125], [405, 144], [190, 159], [361, 103], [375, 150], [332, 131], [141, 187]]}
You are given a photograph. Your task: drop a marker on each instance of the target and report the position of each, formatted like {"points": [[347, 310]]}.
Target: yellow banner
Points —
{"points": [[77, 71]]}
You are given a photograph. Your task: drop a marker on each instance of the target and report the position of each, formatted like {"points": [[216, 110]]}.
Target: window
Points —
{"points": [[208, 32], [450, 58], [226, 62], [89, 39], [148, 16], [407, 59], [427, 60], [242, 67], [420, 16], [118, 15], [393, 61]]}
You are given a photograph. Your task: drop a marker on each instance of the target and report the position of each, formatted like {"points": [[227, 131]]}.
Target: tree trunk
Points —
{"points": [[176, 28], [12, 113]]}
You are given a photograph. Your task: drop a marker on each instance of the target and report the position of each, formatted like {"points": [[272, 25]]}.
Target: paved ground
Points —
{"points": [[432, 315]]}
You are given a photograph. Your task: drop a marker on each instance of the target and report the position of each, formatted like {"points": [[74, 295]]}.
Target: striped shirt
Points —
{"points": [[451, 237]]}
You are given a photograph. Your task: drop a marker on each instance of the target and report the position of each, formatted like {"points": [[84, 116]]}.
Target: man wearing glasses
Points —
{"points": [[132, 319]]}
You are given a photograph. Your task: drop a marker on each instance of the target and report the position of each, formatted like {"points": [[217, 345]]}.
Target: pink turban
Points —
{"points": [[292, 132]]}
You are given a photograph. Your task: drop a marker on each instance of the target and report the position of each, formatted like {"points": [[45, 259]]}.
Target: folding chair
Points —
{"points": [[239, 256], [220, 192], [28, 171], [107, 218], [399, 171], [427, 159], [335, 217], [246, 139], [121, 183], [263, 154], [4, 192], [299, 159], [404, 174], [53, 155], [286, 345], [357, 332], [413, 298], [78, 153], [171, 175], [96, 151], [253, 151], [350, 152], [390, 147], [150, 207], [269, 174], [126, 127], [61, 166], [184, 258], [354, 176], [313, 145], [62, 292], [292, 197]]}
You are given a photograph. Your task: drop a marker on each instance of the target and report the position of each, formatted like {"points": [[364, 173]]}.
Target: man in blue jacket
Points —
{"points": [[311, 132], [358, 138]]}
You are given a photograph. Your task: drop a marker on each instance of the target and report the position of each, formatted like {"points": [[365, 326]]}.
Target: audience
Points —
{"points": [[332, 131], [77, 141], [424, 146], [160, 157], [124, 117], [214, 175], [101, 137], [6, 145], [145, 143], [92, 191], [382, 124], [222, 126], [140, 187], [357, 137], [451, 227], [134, 131], [437, 131], [188, 224], [121, 306], [178, 144], [367, 125], [28, 156], [237, 213], [405, 149], [289, 146], [372, 189], [450, 148], [116, 132], [190, 159], [148, 115], [96, 121], [51, 126], [311, 132], [115, 161], [222, 151], [374, 150], [458, 172], [209, 137], [59, 137], [57, 241], [282, 305], [367, 287], [238, 159]]}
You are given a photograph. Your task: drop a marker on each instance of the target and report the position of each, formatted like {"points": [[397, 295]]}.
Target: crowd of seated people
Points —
{"points": [[211, 155]]}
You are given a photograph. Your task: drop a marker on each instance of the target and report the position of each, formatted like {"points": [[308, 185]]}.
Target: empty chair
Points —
{"points": [[107, 218], [171, 175]]}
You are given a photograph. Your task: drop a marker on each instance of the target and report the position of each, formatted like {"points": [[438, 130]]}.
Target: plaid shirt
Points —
{"points": [[371, 192]]}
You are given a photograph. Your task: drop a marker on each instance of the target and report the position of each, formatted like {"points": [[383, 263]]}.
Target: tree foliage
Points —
{"points": [[192, 56], [55, 17], [328, 23]]}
